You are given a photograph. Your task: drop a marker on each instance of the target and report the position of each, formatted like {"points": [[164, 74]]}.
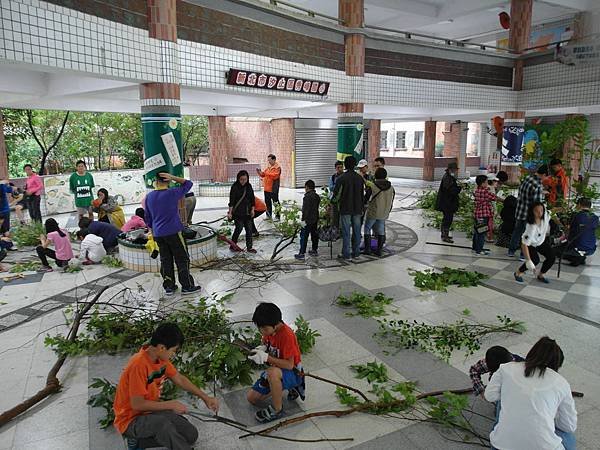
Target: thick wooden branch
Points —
{"points": [[52, 383]]}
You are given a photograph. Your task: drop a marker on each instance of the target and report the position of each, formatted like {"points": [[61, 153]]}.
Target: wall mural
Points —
{"points": [[127, 184]]}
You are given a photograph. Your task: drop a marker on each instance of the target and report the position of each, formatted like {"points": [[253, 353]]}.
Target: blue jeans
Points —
{"points": [[515, 239], [479, 238], [568, 439], [312, 230], [346, 220], [378, 226]]}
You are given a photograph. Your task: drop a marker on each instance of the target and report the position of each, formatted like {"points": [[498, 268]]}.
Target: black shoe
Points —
{"points": [[191, 290], [313, 252], [3, 254], [380, 242], [169, 291], [367, 249]]}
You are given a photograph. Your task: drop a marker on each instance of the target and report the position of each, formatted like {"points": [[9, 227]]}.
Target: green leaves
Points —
{"points": [[430, 280], [442, 340], [111, 261], [345, 397], [103, 399], [30, 266], [289, 218], [365, 304], [372, 372], [27, 235], [306, 336]]}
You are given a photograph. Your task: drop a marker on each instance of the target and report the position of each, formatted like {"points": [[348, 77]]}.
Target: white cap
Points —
{"points": [[492, 177], [362, 163]]}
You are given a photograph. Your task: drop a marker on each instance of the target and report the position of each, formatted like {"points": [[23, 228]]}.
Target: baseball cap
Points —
{"points": [[362, 163], [492, 177]]}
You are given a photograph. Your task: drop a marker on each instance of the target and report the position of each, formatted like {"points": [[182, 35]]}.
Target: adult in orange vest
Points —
{"points": [[259, 208], [271, 176]]}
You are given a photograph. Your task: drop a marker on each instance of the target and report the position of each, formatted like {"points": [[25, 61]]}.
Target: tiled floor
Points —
{"points": [[567, 309]]}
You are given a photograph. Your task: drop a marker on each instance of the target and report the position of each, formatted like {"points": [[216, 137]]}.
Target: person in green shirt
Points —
{"points": [[81, 184]]}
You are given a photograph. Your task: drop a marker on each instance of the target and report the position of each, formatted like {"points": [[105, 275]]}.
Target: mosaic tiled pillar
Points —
{"points": [[3, 152], [429, 150], [374, 139], [219, 147], [350, 115], [160, 102]]}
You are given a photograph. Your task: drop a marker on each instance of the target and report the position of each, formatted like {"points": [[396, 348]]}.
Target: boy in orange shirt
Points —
{"points": [[281, 352], [140, 416]]}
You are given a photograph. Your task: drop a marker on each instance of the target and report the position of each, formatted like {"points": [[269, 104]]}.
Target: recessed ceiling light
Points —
{"points": [[445, 21]]}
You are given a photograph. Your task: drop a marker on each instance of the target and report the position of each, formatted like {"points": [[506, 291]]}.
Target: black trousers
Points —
{"points": [[534, 253], [172, 248], [162, 429], [244, 223], [447, 221], [312, 230], [45, 253], [270, 198], [33, 205]]}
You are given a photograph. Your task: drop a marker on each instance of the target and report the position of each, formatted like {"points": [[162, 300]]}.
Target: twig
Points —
{"points": [[52, 382], [350, 388]]}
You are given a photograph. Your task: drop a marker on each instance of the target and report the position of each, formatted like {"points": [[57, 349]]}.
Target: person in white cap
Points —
{"points": [[363, 169]]}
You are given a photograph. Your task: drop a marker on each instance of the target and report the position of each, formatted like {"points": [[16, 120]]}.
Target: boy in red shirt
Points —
{"points": [[281, 352], [140, 416]]}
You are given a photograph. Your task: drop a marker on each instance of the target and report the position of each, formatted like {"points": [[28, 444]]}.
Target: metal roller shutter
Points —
{"points": [[315, 155]]}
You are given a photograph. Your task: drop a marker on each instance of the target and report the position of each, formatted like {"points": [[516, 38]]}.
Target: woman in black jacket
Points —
{"points": [[447, 199], [241, 208]]}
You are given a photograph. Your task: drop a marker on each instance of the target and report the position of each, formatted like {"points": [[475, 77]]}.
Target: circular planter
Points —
{"points": [[202, 248]]}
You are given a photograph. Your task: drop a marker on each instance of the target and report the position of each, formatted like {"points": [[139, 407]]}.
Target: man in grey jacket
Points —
{"points": [[378, 210]]}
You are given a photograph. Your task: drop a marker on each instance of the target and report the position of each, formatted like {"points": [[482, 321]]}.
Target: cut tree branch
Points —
{"points": [[52, 383]]}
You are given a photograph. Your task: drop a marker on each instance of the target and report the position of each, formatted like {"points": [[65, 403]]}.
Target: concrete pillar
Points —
{"points": [[518, 37], [160, 102], [219, 147], [461, 160], [451, 140], [3, 152], [514, 121], [350, 115], [374, 138], [429, 151], [283, 143]]}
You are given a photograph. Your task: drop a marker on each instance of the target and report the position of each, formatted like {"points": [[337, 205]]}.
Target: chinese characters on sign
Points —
{"points": [[586, 54], [236, 77]]}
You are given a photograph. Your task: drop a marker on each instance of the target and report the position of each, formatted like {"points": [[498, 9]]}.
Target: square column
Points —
{"points": [[374, 138], [218, 143], [429, 150]]}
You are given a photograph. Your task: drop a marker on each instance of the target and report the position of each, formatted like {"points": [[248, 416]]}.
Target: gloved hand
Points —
{"points": [[303, 224], [262, 348], [529, 264], [259, 356]]}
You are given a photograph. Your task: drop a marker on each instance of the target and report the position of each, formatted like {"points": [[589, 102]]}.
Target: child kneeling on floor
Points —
{"points": [[139, 414], [281, 352], [91, 248], [62, 253]]}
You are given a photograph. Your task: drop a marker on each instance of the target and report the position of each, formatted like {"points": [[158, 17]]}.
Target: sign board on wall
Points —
{"points": [[260, 80], [583, 53]]}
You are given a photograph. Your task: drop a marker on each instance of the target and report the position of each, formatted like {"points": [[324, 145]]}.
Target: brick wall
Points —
{"points": [[451, 140], [199, 24], [255, 140], [129, 12], [426, 67]]}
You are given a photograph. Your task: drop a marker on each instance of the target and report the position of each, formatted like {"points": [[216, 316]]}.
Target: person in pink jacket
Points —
{"points": [[34, 187], [136, 221]]}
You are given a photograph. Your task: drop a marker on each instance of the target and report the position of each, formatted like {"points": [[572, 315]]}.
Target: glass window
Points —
{"points": [[383, 139], [400, 140], [419, 140]]}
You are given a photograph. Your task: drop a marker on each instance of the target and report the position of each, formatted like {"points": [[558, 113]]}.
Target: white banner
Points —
{"points": [[153, 163], [171, 146]]}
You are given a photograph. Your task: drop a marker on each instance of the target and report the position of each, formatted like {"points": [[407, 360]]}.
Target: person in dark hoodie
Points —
{"points": [[349, 194], [507, 215], [447, 200], [378, 210], [241, 208], [310, 220]]}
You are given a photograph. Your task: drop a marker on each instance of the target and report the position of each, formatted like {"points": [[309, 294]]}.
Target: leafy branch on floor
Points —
{"points": [[73, 268], [29, 266], [27, 235], [442, 340], [365, 304], [214, 350], [430, 280], [399, 400], [306, 336], [104, 398], [52, 383], [288, 225], [112, 261]]}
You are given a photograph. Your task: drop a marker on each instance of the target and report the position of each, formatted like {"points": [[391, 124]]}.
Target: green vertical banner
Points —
{"points": [[350, 138], [163, 149]]}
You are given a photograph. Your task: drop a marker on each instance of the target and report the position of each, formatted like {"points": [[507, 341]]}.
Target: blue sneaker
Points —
{"points": [[543, 279], [132, 444], [518, 278], [300, 256], [170, 291], [511, 254], [191, 290], [268, 414]]}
